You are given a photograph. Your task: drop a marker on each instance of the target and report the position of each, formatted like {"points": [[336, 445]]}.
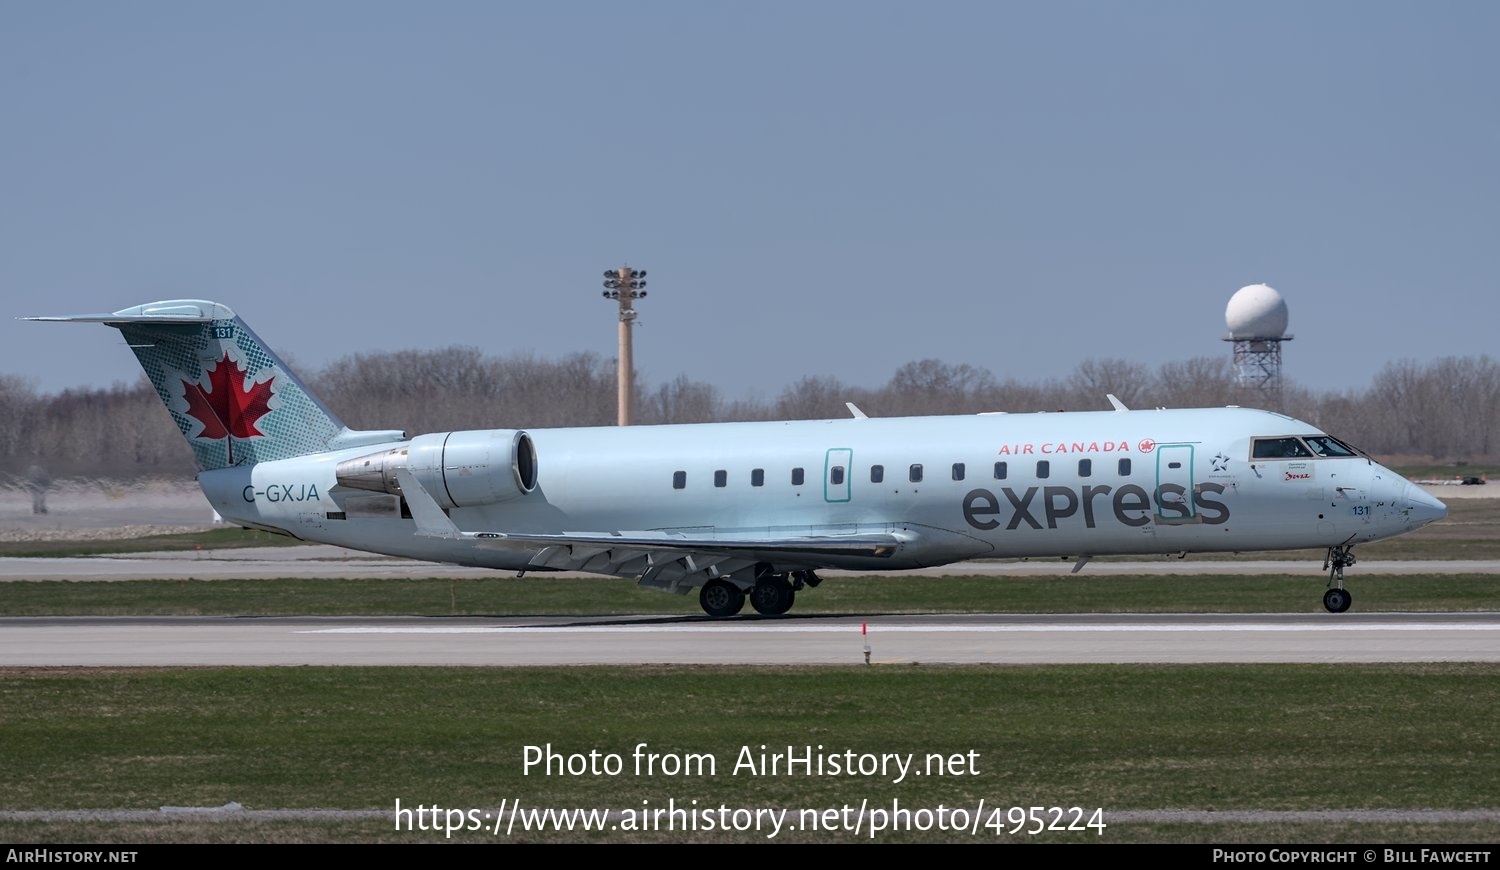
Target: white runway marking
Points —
{"points": [[720, 628]]}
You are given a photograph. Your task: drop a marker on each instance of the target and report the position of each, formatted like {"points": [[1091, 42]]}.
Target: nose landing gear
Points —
{"points": [[1337, 599]]}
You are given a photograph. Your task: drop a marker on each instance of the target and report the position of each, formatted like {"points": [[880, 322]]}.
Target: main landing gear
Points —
{"points": [[772, 594], [720, 598], [1337, 599]]}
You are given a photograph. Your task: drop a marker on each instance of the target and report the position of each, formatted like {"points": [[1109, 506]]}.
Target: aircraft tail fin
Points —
{"points": [[235, 402]]}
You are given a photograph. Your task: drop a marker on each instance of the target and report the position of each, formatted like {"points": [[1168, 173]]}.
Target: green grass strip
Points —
{"points": [[504, 595], [1284, 737], [214, 539]]}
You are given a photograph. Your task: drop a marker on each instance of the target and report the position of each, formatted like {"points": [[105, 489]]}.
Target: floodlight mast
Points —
{"points": [[625, 285]]}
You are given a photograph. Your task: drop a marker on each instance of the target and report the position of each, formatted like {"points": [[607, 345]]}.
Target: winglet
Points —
{"points": [[1082, 560], [855, 412], [1119, 405]]}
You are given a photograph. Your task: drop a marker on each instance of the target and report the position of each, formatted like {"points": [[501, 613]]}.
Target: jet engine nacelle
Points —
{"points": [[458, 469]]}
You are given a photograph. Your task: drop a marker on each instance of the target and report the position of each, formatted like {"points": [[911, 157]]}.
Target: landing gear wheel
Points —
{"points": [[1337, 600], [772, 595], [720, 598]]}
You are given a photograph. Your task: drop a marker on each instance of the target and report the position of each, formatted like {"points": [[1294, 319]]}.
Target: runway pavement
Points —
{"points": [[966, 639], [792, 640]]}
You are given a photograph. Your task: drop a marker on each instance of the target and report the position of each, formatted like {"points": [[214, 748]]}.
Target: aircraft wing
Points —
{"points": [[875, 546], [666, 560], [656, 558]]}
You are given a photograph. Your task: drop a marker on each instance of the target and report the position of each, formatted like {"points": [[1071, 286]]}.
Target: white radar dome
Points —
{"points": [[1257, 311]]}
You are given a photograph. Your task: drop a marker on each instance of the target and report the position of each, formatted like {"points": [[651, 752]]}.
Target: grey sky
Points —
{"points": [[816, 188]]}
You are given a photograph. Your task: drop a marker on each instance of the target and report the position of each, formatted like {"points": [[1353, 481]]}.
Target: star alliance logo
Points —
{"points": [[1221, 462]]}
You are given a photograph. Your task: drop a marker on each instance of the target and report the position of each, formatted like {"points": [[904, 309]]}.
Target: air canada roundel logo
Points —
{"points": [[1146, 445], [227, 403]]}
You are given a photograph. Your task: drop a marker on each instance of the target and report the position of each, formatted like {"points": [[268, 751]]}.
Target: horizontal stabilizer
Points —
{"points": [[177, 311]]}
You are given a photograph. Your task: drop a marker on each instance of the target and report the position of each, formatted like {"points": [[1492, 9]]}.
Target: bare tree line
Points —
{"points": [[1447, 409]]}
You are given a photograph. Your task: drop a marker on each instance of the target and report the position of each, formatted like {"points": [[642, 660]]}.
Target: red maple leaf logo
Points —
{"points": [[228, 407]]}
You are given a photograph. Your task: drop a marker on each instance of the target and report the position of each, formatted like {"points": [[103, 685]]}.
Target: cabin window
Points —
{"points": [[1279, 448], [797, 477], [757, 477], [1001, 470], [1043, 469], [877, 473], [915, 474], [958, 471], [1085, 467], [679, 479], [1124, 468], [836, 475], [721, 478]]}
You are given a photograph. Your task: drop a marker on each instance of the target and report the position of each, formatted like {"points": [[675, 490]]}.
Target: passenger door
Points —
{"points": [[1174, 485]]}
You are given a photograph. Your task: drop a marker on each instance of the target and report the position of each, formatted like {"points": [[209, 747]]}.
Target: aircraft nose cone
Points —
{"points": [[1423, 508]]}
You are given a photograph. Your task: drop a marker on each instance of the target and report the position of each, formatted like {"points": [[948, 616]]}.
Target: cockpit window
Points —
{"points": [[1327, 445], [1279, 448]]}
